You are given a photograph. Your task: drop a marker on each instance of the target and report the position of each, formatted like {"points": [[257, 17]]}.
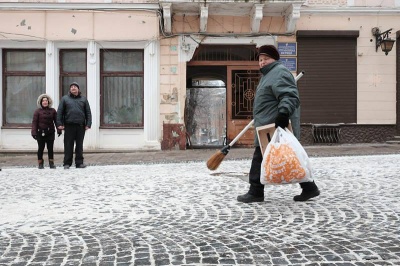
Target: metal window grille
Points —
{"points": [[225, 53], [326, 133]]}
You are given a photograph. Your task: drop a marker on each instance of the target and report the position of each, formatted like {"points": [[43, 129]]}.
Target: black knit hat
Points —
{"points": [[269, 50], [74, 83]]}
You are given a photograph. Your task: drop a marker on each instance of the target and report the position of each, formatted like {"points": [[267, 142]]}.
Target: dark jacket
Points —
{"points": [[44, 118], [276, 92], [74, 110]]}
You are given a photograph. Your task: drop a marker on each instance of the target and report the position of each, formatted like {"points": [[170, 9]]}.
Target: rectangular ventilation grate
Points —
{"points": [[326, 133]]}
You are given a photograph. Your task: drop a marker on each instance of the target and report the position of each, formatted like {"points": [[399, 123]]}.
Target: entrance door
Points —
{"points": [[205, 113], [242, 82]]}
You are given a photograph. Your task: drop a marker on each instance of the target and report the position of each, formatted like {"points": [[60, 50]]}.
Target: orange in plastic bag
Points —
{"points": [[282, 165]]}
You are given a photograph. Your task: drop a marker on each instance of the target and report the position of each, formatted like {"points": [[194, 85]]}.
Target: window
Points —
{"points": [[72, 69], [122, 88], [24, 79]]}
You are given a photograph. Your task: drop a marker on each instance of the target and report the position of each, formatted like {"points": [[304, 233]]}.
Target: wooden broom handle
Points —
{"points": [[252, 121], [241, 133]]}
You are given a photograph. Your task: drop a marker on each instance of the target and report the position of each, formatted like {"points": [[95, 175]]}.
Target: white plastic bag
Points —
{"points": [[285, 161]]}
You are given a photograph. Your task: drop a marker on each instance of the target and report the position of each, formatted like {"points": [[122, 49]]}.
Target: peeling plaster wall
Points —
{"points": [[173, 94], [170, 84], [78, 25], [173, 70]]}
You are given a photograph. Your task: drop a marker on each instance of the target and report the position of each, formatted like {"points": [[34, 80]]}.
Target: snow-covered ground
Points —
{"points": [[186, 213]]}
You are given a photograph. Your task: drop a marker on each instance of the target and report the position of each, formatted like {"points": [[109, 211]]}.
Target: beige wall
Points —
{"points": [[376, 72], [327, 2], [358, 3], [378, 3], [81, 1], [226, 24], [78, 25]]}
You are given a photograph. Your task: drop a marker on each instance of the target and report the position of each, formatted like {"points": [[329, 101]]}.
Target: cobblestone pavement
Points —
{"points": [[184, 214]]}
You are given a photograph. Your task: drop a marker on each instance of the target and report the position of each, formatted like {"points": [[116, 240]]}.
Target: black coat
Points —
{"points": [[44, 120], [74, 110]]}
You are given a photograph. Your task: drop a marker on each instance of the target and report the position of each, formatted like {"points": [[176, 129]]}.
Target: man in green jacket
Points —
{"points": [[276, 101]]}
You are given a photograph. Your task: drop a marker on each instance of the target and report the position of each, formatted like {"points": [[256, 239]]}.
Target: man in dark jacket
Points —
{"points": [[74, 116], [276, 100]]}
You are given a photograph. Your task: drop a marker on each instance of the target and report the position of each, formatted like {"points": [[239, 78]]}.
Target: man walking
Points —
{"points": [[74, 117], [276, 100]]}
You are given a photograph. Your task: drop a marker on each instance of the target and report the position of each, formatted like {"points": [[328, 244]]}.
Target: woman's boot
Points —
{"points": [[51, 164], [41, 166]]}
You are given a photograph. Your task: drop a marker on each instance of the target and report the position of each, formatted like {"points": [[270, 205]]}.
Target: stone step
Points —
{"points": [[393, 141]]}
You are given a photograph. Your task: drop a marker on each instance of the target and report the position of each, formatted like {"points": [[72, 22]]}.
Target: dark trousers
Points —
{"points": [[73, 136], [41, 145], [256, 188]]}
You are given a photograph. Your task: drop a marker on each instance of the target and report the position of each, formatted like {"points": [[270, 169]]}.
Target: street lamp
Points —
{"points": [[382, 39]]}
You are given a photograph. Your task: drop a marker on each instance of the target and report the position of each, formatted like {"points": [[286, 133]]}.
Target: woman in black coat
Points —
{"points": [[43, 128]]}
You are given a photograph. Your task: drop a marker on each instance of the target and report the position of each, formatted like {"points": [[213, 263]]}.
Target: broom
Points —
{"points": [[216, 159]]}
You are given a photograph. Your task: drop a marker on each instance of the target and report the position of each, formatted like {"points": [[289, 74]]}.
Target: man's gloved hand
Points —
{"points": [[59, 133], [282, 120], [34, 136]]}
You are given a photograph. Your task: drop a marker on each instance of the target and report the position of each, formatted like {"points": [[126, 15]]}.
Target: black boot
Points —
{"points": [[41, 166], [310, 190], [51, 164], [248, 198]]}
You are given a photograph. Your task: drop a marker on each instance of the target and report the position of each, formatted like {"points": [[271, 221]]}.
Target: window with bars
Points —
{"points": [[122, 89], [24, 79], [225, 53], [73, 69]]}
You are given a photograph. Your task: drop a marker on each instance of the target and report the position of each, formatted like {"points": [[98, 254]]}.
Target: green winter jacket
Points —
{"points": [[276, 92]]}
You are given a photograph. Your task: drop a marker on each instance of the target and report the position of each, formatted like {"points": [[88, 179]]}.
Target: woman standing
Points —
{"points": [[43, 128]]}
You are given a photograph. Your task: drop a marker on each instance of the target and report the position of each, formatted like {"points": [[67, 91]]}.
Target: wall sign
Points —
{"points": [[287, 48], [290, 63]]}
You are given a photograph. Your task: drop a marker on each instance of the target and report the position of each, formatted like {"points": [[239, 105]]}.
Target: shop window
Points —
{"points": [[122, 76], [72, 69], [24, 79]]}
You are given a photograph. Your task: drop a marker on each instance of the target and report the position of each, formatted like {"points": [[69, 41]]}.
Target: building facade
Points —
{"points": [[168, 74], [349, 91], [111, 50]]}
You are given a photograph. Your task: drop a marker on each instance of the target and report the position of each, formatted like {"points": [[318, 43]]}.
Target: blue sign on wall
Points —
{"points": [[290, 63], [287, 48]]}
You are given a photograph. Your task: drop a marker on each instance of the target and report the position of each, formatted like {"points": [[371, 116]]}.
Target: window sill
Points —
{"points": [[120, 127], [17, 126]]}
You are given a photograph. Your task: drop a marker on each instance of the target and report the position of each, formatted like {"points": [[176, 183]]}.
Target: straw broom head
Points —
{"points": [[217, 158]]}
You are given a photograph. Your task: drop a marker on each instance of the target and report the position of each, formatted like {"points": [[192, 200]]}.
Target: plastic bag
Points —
{"points": [[285, 161]]}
